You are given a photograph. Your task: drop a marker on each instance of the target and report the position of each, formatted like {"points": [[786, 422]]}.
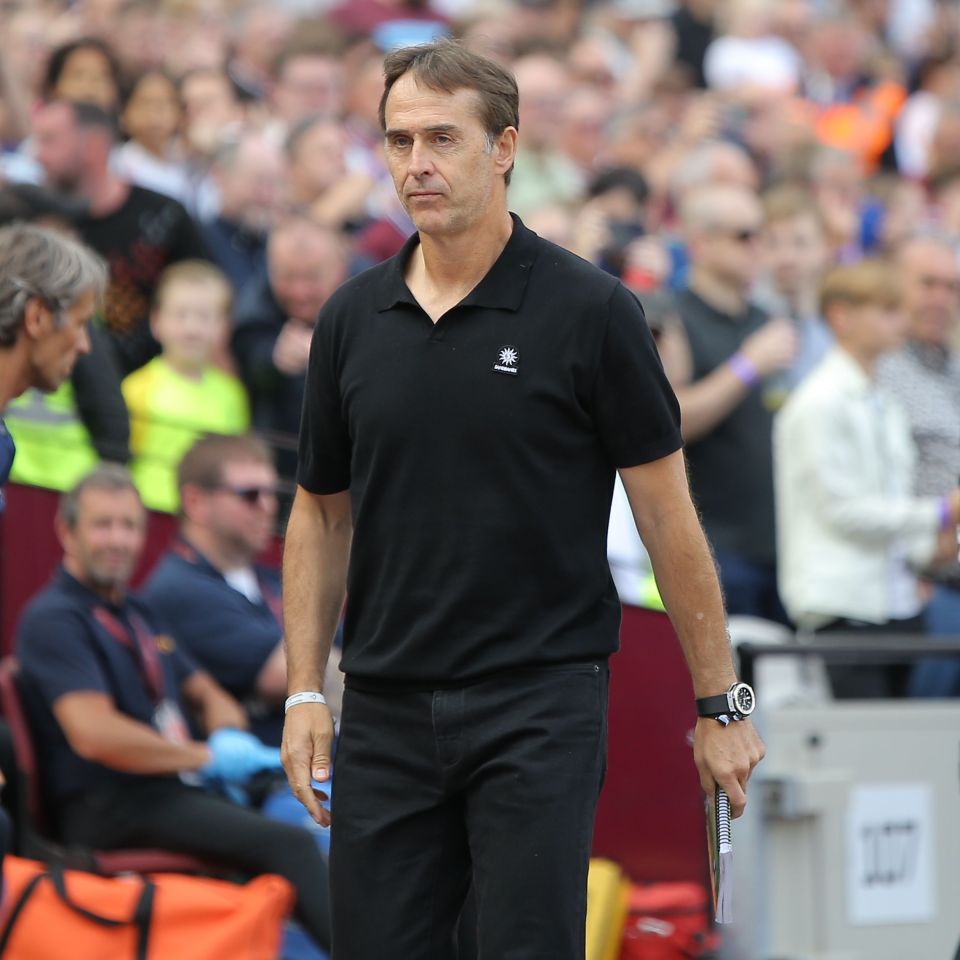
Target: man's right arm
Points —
{"points": [[98, 732], [315, 558]]}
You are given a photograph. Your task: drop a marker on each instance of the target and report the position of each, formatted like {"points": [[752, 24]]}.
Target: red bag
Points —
{"points": [[668, 921], [50, 913]]}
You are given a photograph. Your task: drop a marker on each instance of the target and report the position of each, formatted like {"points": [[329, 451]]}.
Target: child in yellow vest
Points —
{"points": [[180, 395]]}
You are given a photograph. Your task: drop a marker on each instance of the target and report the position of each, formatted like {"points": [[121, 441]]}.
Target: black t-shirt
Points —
{"points": [[480, 455], [731, 468], [148, 232]]}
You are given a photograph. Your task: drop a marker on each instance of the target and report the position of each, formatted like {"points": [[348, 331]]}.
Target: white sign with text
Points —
{"points": [[890, 854]]}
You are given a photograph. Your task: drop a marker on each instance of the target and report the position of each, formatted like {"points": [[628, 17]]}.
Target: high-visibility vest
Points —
{"points": [[53, 445]]}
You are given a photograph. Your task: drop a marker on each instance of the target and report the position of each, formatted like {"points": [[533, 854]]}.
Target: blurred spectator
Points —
{"points": [[727, 425], [152, 157], [212, 114], [795, 260], [695, 24], [274, 318], [84, 71], [223, 606], [138, 231], [248, 174], [49, 287], [258, 39], [850, 525], [308, 78], [180, 395], [104, 686], [924, 377], [837, 181], [542, 174]]}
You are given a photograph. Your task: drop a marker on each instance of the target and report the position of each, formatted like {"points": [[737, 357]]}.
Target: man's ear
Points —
{"points": [[37, 318], [505, 149], [192, 499]]}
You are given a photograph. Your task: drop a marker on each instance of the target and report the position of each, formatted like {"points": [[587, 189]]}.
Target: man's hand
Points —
{"points": [[772, 347], [726, 756], [292, 349], [305, 753]]}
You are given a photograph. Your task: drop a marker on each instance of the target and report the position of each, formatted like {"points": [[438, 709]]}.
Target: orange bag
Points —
{"points": [[50, 913]]}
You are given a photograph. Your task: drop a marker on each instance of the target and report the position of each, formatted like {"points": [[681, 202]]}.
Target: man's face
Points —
{"points": [[796, 253], [59, 146], [305, 267], [57, 338], [103, 547], [930, 282], [242, 513], [250, 189], [728, 248], [438, 155], [310, 86]]}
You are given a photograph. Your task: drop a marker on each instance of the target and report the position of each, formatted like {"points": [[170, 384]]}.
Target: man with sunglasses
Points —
{"points": [[49, 288], [222, 605], [725, 403]]}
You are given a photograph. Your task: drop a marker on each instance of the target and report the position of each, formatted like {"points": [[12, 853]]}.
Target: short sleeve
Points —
{"points": [[636, 410], [53, 647], [324, 437]]}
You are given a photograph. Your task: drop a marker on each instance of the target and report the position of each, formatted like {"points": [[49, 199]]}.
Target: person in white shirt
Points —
{"points": [[851, 531]]}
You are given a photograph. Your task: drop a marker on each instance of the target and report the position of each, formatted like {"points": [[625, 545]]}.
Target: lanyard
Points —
{"points": [[143, 646], [271, 597]]}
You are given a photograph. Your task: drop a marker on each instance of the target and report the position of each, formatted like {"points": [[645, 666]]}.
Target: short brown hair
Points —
{"points": [[193, 271], [448, 66], [202, 465], [868, 282], [787, 201], [109, 477]]}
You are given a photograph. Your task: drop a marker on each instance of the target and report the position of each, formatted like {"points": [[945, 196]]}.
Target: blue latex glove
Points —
{"points": [[237, 755]]}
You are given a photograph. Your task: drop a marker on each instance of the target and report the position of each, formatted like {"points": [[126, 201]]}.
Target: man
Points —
{"points": [[49, 288], [274, 317], [224, 608], [248, 174], [851, 528], [925, 377], [469, 402], [727, 420], [103, 688], [137, 231]]}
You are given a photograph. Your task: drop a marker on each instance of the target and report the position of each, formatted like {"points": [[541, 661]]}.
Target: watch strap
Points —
{"points": [[713, 706]]}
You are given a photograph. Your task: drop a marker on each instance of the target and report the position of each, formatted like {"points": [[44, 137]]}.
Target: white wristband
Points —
{"points": [[306, 697]]}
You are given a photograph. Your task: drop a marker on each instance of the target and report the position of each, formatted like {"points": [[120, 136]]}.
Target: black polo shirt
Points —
{"points": [[480, 455]]}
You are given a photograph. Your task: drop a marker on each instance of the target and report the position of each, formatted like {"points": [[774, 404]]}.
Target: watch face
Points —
{"points": [[743, 698]]}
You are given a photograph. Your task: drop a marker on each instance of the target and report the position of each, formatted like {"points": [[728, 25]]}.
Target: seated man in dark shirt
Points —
{"points": [[103, 690], [222, 606]]}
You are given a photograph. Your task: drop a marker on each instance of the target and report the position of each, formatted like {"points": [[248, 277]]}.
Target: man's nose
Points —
{"points": [[421, 160]]}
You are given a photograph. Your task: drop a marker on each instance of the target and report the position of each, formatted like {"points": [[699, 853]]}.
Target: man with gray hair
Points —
{"points": [[49, 288]]}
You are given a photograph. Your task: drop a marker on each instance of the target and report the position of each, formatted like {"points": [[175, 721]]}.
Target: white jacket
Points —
{"points": [[847, 520]]}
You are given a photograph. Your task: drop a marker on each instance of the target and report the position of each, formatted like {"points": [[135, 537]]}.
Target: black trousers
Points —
{"points": [[491, 786], [166, 814]]}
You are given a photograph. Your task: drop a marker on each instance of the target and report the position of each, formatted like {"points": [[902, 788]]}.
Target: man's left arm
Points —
{"points": [[686, 576], [211, 704]]}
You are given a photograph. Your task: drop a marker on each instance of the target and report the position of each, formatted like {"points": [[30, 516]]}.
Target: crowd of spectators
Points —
{"points": [[720, 156]]}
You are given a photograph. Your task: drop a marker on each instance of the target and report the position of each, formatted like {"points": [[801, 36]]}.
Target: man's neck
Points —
{"points": [[717, 293], [221, 557], [106, 194], [458, 263]]}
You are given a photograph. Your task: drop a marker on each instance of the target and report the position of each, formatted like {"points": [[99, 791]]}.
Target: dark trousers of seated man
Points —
{"points": [[865, 680], [165, 814], [490, 786]]}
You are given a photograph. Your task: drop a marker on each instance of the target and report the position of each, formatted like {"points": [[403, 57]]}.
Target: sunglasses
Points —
{"points": [[746, 235], [250, 495]]}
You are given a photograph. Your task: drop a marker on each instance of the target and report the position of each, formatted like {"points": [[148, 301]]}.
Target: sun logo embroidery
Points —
{"points": [[507, 360]]}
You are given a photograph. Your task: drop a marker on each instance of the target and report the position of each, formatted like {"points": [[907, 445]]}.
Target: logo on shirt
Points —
{"points": [[507, 360]]}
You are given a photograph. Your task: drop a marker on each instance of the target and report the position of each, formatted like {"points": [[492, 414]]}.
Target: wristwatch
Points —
{"points": [[736, 704]]}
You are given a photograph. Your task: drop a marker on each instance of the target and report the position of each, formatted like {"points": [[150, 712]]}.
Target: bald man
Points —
{"points": [[727, 419], [925, 378]]}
